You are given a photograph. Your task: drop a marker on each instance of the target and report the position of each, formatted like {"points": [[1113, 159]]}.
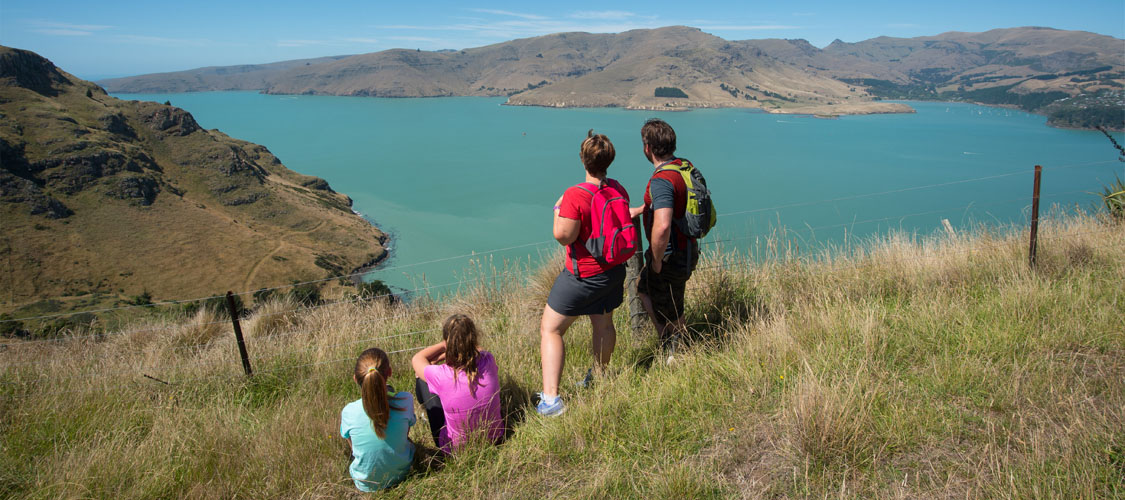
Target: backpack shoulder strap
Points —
{"points": [[585, 186]]}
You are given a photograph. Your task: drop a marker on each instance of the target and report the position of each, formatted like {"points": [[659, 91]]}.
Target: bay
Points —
{"points": [[467, 182]]}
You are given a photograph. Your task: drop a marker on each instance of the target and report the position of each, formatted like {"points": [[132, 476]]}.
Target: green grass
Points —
{"points": [[902, 369]]}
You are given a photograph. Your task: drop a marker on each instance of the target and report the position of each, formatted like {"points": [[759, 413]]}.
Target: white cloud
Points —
{"points": [[604, 14], [66, 29], [302, 43], [160, 40], [509, 13], [371, 41]]}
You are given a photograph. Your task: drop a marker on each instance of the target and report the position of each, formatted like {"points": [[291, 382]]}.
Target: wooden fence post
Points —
{"points": [[238, 333], [1034, 217], [638, 318]]}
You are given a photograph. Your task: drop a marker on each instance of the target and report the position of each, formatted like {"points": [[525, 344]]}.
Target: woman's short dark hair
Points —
{"points": [[597, 153], [659, 137]]}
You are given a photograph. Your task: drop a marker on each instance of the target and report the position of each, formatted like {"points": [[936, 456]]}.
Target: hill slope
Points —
{"points": [[242, 77], [573, 70], [103, 199], [1076, 78]]}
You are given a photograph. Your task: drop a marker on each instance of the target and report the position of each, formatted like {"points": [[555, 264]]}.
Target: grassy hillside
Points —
{"points": [[104, 200], [905, 368]]}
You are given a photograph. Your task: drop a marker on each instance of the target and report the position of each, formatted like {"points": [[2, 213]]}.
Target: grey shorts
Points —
{"points": [[597, 294]]}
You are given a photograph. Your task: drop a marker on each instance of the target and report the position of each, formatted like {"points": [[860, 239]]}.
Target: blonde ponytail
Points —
{"points": [[375, 405], [371, 370]]}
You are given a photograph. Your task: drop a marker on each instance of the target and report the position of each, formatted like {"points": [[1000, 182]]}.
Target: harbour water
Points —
{"points": [[462, 181]]}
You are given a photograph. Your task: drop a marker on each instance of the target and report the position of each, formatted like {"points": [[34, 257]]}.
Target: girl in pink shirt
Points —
{"points": [[462, 395]]}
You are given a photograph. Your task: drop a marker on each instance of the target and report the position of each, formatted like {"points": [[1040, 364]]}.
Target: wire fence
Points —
{"points": [[409, 313], [230, 373], [546, 242]]}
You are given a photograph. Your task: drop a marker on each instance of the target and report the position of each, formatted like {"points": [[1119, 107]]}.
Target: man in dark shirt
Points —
{"points": [[671, 255]]}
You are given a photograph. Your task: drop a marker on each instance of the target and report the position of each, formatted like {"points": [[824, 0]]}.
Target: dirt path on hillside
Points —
{"points": [[280, 243]]}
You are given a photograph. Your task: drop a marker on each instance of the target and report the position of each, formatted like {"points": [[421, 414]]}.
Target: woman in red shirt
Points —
{"points": [[585, 287]]}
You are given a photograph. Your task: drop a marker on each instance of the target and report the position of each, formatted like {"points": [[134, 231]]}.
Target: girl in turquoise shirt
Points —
{"points": [[376, 425]]}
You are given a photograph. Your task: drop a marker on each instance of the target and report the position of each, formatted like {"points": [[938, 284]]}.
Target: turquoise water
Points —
{"points": [[453, 176]]}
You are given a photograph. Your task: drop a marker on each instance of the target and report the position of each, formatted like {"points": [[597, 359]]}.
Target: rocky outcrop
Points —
{"points": [[139, 189], [169, 120], [26, 69]]}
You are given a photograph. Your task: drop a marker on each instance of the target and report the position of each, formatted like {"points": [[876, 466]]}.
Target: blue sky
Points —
{"points": [[94, 39]]}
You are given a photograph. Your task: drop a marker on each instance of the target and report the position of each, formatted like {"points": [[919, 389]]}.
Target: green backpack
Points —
{"points": [[700, 215]]}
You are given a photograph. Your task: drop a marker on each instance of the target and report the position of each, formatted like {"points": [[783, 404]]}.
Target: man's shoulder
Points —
{"points": [[672, 176]]}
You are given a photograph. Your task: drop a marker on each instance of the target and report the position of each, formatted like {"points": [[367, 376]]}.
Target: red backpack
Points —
{"points": [[613, 236]]}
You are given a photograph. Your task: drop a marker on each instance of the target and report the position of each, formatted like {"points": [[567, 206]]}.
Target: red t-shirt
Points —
{"points": [[576, 206]]}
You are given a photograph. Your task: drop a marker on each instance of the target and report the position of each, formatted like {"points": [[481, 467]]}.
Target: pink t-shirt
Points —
{"points": [[465, 412]]}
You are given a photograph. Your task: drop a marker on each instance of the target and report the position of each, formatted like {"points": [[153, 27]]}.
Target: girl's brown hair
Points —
{"points": [[371, 372], [597, 153], [460, 335]]}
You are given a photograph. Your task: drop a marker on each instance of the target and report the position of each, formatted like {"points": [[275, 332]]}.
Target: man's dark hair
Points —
{"points": [[659, 137]]}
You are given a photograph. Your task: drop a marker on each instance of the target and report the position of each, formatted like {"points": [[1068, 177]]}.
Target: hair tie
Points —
{"points": [[370, 369]]}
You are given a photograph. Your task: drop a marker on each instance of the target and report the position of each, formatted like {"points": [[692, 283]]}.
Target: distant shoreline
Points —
{"points": [[823, 112]]}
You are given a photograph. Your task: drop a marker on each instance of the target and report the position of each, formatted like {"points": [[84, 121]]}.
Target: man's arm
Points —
{"points": [[661, 234], [663, 201]]}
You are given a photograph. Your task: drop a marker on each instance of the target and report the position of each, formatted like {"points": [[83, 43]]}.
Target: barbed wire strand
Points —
{"points": [[903, 190], [540, 243], [416, 348], [882, 219], [229, 338], [298, 307]]}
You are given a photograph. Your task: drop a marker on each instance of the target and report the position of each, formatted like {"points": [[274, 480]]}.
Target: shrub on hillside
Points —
{"points": [[307, 294], [670, 92], [375, 289]]}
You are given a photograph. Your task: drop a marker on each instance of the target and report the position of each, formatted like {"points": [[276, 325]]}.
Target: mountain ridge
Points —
{"points": [[777, 75]]}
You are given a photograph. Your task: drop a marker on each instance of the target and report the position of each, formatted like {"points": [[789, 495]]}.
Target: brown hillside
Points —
{"points": [[103, 199]]}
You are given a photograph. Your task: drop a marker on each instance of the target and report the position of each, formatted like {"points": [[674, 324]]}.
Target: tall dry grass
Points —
{"points": [[902, 368]]}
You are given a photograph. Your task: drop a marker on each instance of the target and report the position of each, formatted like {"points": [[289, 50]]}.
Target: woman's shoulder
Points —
{"points": [[581, 189]]}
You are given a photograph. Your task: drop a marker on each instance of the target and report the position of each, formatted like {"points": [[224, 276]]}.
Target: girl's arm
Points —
{"points": [[427, 357]]}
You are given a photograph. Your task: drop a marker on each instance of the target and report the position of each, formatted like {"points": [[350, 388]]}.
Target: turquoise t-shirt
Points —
{"points": [[379, 463]]}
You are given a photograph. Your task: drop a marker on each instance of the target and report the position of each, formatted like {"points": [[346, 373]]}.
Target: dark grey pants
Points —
{"points": [[434, 411]]}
